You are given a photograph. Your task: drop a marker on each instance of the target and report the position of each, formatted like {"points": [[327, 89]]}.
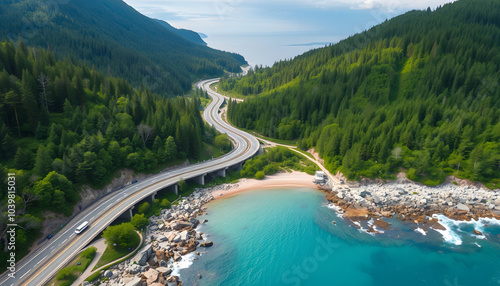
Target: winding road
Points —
{"points": [[39, 267]]}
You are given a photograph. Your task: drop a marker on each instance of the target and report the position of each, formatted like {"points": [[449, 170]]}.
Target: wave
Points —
{"points": [[337, 209], [448, 234], [421, 231]]}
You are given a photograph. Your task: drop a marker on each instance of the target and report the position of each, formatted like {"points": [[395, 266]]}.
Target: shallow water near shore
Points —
{"points": [[286, 237]]}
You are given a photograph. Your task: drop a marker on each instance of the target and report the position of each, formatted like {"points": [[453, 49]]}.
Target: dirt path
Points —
{"points": [[101, 247]]}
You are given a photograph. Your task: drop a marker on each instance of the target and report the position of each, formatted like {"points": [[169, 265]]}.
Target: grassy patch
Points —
{"points": [[276, 159], [113, 253], [93, 277], [75, 268]]}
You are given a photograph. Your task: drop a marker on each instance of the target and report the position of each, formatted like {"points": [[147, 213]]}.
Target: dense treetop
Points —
{"points": [[417, 93], [63, 124], [116, 39]]}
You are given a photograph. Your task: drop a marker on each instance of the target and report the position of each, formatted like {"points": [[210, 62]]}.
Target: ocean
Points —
{"points": [[287, 237]]}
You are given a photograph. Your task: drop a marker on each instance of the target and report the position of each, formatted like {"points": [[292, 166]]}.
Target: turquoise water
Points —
{"points": [[286, 237]]}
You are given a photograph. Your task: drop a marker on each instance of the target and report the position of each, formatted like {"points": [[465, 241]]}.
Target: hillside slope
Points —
{"points": [[116, 39], [186, 34], [417, 93]]}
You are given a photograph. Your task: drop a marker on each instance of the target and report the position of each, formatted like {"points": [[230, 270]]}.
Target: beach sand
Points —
{"points": [[279, 180]]}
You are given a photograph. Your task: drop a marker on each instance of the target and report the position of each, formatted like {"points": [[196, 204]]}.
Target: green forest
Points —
{"points": [[117, 40], [63, 125], [418, 93]]}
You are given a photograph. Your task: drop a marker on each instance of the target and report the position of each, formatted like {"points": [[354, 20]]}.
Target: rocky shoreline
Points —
{"points": [[172, 236], [412, 202], [169, 238]]}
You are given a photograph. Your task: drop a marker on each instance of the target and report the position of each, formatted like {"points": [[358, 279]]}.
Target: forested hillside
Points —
{"points": [[417, 93], [63, 125], [116, 39]]}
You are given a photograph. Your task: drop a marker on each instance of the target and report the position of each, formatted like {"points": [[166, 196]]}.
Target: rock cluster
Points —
{"points": [[169, 237], [414, 202]]}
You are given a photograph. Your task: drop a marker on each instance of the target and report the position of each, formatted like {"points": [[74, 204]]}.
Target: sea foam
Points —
{"points": [[448, 234]]}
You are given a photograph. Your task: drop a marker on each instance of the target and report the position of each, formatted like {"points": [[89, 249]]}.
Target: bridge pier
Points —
{"points": [[153, 196], [128, 214], [174, 188], [238, 166], [201, 179], [222, 173]]}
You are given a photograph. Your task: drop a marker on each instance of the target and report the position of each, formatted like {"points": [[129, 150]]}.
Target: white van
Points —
{"points": [[82, 227]]}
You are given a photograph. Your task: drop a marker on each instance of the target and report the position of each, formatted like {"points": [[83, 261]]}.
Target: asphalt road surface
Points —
{"points": [[39, 267]]}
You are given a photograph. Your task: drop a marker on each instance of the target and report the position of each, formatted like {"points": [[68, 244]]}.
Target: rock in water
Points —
{"points": [[477, 232], [177, 256], [206, 244], [199, 276]]}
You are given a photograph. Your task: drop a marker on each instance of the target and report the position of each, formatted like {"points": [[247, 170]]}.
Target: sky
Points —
{"points": [[265, 31]]}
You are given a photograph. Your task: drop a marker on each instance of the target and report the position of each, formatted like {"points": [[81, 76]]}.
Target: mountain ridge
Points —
{"points": [[116, 39], [418, 93]]}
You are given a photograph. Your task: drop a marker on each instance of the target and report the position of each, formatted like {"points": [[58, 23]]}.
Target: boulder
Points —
{"points": [[163, 263], [206, 244], [153, 261], [179, 225], [134, 269], [171, 236], [194, 222], [108, 274], [160, 255], [177, 256], [136, 281], [364, 194], [164, 245], [151, 275], [164, 270], [184, 235], [477, 232], [462, 207], [142, 257], [172, 280], [177, 238]]}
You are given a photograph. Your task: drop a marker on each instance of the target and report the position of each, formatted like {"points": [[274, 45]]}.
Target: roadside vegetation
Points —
{"points": [[64, 125], [274, 160], [401, 97], [75, 268]]}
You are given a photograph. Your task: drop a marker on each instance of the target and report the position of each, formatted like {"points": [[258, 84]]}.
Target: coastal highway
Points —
{"points": [[40, 266]]}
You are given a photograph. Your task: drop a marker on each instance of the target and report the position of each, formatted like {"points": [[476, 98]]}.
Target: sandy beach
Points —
{"points": [[278, 180]]}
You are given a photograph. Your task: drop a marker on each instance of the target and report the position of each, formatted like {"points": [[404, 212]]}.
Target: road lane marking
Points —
{"points": [[133, 195], [25, 273], [63, 241]]}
